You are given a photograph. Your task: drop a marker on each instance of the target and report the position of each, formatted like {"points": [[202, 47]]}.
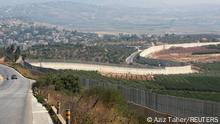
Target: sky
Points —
{"points": [[131, 3]]}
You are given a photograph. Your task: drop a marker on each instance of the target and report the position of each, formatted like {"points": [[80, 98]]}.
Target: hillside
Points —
{"points": [[88, 17]]}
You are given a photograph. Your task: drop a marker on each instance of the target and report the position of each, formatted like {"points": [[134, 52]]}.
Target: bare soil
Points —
{"points": [[180, 54]]}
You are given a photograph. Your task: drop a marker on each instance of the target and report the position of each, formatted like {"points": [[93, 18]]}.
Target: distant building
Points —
{"points": [[204, 40]]}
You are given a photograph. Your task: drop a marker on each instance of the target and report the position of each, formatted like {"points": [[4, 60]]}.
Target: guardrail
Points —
{"points": [[59, 116], [53, 110]]}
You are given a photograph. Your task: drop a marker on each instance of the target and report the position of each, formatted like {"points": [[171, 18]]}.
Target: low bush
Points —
{"points": [[61, 81], [110, 98]]}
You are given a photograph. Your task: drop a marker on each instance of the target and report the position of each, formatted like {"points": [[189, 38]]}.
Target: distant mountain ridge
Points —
{"points": [[88, 17]]}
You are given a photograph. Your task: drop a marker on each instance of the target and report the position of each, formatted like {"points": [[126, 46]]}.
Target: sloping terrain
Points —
{"points": [[191, 54], [90, 17], [95, 106]]}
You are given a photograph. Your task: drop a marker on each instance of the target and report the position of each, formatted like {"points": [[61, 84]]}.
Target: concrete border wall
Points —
{"points": [[153, 49], [115, 69]]}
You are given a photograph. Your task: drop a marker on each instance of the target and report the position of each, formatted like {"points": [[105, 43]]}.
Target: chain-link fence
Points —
{"points": [[176, 106]]}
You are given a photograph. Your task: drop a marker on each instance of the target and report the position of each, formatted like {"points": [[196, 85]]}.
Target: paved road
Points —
{"points": [[15, 99], [130, 59]]}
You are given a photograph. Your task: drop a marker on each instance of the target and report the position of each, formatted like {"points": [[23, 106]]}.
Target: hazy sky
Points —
{"points": [[137, 3]]}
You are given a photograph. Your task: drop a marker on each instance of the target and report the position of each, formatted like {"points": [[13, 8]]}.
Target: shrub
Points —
{"points": [[62, 81]]}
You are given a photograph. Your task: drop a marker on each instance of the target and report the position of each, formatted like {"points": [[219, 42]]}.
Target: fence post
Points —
{"points": [[58, 107], [67, 116], [48, 97]]}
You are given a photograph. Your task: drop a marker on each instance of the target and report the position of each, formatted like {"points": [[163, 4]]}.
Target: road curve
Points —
{"points": [[130, 59]]}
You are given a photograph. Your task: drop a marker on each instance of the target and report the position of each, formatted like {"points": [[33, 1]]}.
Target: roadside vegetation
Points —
{"points": [[63, 81], [25, 71], [96, 105]]}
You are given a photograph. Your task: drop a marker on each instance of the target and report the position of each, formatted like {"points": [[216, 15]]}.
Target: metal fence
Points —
{"points": [[176, 106]]}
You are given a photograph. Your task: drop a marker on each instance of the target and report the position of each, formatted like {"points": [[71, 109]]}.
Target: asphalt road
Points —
{"points": [[15, 98], [130, 59]]}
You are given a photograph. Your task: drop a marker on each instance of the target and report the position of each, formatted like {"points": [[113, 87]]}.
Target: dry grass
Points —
{"points": [[87, 109], [24, 71]]}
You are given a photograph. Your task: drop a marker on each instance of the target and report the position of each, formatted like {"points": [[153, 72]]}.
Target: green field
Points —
{"points": [[205, 86]]}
